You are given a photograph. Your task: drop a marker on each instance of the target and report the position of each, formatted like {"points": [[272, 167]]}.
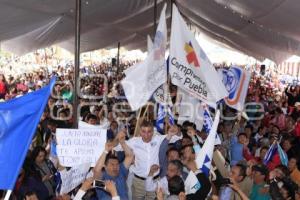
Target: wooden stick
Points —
{"points": [[137, 122]]}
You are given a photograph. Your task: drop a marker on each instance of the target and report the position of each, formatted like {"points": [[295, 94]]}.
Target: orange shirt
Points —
{"points": [[295, 176]]}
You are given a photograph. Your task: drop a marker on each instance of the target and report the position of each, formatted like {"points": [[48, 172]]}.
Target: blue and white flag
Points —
{"points": [[236, 81], [191, 184], [207, 125], [205, 156], [283, 157], [270, 153], [161, 114], [19, 119]]}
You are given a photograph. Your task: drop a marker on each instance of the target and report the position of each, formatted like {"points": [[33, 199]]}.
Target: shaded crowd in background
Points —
{"points": [[244, 146]]}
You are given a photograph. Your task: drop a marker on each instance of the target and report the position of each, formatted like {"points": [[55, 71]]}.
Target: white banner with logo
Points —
{"points": [[190, 68]]}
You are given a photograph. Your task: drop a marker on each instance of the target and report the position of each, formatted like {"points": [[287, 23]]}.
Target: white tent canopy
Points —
{"points": [[262, 29]]}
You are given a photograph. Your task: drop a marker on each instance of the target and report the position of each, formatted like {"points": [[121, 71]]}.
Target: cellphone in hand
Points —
{"points": [[99, 184]]}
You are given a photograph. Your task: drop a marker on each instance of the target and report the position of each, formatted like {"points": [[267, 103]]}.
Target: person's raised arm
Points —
{"points": [[100, 163], [127, 150], [173, 130], [192, 133]]}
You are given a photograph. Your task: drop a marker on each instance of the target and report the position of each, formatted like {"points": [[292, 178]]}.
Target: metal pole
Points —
{"points": [[298, 75], [77, 61], [118, 56], [155, 17]]}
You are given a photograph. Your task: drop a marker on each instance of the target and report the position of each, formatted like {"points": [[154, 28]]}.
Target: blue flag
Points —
{"points": [[207, 125], [283, 157], [19, 119], [270, 153], [161, 118]]}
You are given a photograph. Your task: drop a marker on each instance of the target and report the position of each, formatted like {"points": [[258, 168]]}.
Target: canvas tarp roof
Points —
{"points": [[262, 29]]}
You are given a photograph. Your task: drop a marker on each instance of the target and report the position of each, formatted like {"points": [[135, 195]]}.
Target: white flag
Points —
{"points": [[236, 81], [162, 95], [190, 68], [141, 82], [190, 109], [149, 44], [207, 125], [191, 184], [205, 155]]}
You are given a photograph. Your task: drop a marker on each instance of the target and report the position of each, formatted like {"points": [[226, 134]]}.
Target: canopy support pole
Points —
{"points": [[77, 61], [155, 17], [118, 56]]}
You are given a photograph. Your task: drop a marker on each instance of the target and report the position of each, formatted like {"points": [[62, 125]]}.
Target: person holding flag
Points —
{"points": [[199, 165], [275, 155], [163, 111]]}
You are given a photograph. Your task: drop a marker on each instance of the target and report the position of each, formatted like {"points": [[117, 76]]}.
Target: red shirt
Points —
{"points": [[297, 129], [2, 88], [274, 162]]}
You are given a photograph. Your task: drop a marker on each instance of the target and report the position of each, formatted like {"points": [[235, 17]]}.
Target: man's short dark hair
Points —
{"points": [[193, 125], [242, 134], [28, 194], [264, 147], [110, 156], [284, 169], [249, 126], [172, 149], [146, 123], [261, 128], [243, 170], [175, 185], [178, 164], [188, 146], [295, 158], [91, 116]]}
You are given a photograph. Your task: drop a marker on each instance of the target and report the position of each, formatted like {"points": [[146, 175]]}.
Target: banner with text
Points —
{"points": [[75, 147], [74, 177], [190, 68]]}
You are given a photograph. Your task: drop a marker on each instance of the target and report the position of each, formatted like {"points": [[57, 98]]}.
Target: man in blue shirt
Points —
{"points": [[113, 170], [236, 148]]}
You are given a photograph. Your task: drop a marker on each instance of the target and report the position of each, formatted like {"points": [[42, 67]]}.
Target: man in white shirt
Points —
{"points": [[146, 150], [260, 134], [175, 168]]}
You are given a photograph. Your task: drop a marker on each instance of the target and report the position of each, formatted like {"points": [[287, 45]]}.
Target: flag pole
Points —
{"points": [[147, 107], [7, 195], [137, 123], [167, 87]]}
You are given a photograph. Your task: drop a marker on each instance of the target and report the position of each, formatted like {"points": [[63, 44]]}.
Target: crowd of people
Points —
{"points": [[149, 165]]}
